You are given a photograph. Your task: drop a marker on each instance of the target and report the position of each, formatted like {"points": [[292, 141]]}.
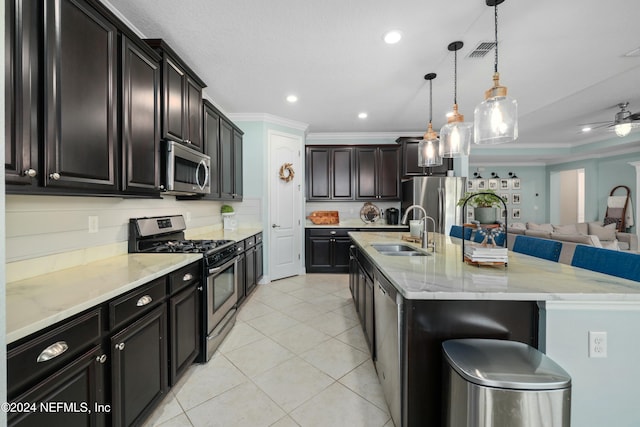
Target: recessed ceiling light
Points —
{"points": [[363, 115], [392, 37], [586, 129], [292, 98]]}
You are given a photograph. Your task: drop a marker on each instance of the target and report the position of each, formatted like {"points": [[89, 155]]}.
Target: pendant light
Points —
{"points": [[455, 136], [429, 147], [496, 118]]}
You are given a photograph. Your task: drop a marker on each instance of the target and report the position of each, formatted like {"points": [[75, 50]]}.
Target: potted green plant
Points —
{"points": [[484, 203]]}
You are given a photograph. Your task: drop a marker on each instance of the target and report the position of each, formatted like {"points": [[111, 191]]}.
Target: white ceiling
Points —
{"points": [[563, 60]]}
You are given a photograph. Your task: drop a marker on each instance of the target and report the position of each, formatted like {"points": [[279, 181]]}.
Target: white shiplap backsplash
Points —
{"points": [[48, 233]]}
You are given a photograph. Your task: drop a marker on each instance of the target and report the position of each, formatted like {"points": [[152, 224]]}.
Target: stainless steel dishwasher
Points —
{"points": [[388, 309]]}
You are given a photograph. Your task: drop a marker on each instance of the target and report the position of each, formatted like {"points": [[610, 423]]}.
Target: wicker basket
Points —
{"points": [[324, 217]]}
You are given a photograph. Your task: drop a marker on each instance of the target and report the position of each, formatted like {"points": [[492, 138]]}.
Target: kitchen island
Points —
{"points": [[535, 301]]}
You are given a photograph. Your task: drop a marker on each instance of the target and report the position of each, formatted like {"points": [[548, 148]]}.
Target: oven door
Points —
{"points": [[222, 292]]}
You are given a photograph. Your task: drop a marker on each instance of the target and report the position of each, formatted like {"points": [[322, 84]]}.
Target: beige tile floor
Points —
{"points": [[297, 356]]}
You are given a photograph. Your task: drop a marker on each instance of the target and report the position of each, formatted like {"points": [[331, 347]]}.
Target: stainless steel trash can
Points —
{"points": [[499, 383]]}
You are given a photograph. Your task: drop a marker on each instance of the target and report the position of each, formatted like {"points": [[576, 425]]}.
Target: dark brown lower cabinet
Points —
{"points": [[327, 251], [240, 274], [79, 386], [184, 330], [250, 269], [259, 263], [139, 367]]}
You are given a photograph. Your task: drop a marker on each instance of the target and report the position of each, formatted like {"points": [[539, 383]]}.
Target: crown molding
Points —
{"points": [[328, 136], [269, 118]]}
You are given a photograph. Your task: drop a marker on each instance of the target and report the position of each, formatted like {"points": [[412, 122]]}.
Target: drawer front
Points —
{"points": [[258, 238], [52, 350], [184, 277], [240, 246], [137, 302], [249, 242], [330, 232]]}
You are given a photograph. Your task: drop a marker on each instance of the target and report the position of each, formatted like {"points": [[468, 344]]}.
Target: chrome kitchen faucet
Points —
{"points": [[425, 230]]}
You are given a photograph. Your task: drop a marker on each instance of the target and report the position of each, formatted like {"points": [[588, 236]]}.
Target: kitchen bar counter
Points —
{"points": [[38, 302], [443, 275]]}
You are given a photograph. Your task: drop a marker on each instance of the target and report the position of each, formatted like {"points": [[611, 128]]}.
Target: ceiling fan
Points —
{"points": [[622, 123]]}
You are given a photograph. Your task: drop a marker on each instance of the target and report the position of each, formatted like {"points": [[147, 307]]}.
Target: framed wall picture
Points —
{"points": [[515, 183], [504, 184], [470, 216], [471, 185], [481, 184], [505, 197], [515, 198], [503, 213], [515, 213], [493, 184]]}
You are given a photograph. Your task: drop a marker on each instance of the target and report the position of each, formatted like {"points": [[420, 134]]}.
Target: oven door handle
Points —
{"points": [[222, 267]]}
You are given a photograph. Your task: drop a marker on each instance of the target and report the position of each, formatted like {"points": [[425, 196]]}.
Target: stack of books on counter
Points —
{"points": [[485, 254]]}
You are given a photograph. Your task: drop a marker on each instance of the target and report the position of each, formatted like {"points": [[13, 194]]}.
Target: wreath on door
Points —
{"points": [[286, 172]]}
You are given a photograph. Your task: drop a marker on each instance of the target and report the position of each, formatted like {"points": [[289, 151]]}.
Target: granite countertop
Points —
{"points": [[443, 275], [38, 302], [357, 223]]}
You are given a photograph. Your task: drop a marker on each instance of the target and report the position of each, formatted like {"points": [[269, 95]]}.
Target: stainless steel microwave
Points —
{"points": [[187, 171]]}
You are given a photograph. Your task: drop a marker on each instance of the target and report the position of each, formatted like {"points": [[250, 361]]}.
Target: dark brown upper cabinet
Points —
{"points": [[181, 98], [377, 173], [21, 93], [140, 118], [211, 144], [230, 171], [330, 172], [410, 159], [80, 97]]}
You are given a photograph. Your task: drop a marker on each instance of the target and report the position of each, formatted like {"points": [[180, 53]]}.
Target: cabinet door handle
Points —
{"points": [[187, 277], [55, 176], [31, 173], [274, 226], [102, 358], [144, 301], [53, 351], [120, 346]]}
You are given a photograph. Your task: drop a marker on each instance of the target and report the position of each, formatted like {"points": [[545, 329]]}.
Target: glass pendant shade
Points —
{"points": [[455, 136], [429, 150], [496, 118]]}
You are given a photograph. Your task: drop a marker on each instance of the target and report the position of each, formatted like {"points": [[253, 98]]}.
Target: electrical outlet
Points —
{"points": [[597, 344], [187, 216], [93, 224]]}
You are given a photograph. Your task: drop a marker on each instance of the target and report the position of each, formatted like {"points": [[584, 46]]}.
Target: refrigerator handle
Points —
{"points": [[440, 210]]}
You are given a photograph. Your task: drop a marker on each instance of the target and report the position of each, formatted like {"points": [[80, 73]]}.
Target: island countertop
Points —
{"points": [[443, 276]]}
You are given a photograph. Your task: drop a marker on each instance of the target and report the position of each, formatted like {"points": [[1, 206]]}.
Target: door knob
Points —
{"points": [[274, 226]]}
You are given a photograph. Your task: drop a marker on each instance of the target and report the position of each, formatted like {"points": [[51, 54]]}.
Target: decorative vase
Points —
{"points": [[485, 215]]}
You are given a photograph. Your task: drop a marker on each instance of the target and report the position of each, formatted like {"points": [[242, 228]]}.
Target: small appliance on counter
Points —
{"points": [[392, 215]]}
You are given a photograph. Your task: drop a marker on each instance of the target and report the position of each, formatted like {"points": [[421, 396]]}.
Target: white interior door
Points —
{"points": [[285, 210]]}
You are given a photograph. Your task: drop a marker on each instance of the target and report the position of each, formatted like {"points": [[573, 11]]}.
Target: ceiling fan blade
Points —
{"points": [[634, 117]]}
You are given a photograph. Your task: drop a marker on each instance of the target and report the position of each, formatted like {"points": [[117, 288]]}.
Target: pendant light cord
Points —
{"points": [[430, 100], [496, 34], [455, 76]]}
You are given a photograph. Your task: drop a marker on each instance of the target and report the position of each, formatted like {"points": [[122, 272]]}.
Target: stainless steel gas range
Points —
{"points": [[219, 295]]}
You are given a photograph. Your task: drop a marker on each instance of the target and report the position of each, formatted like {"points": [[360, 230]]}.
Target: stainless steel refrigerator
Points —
{"points": [[438, 196]]}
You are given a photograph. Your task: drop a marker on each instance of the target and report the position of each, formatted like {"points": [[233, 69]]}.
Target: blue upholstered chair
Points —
{"points": [[615, 263], [540, 248], [456, 231]]}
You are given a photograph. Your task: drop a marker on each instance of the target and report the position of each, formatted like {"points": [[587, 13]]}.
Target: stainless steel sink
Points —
{"points": [[393, 249]]}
